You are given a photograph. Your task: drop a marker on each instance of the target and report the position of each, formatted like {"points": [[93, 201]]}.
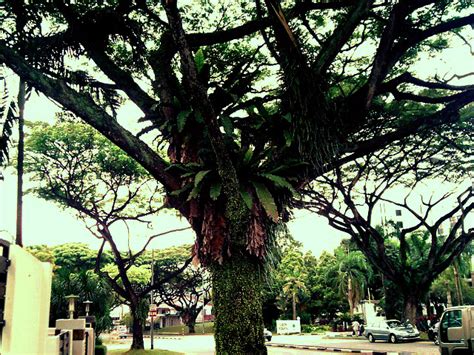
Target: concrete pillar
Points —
{"points": [[27, 301]]}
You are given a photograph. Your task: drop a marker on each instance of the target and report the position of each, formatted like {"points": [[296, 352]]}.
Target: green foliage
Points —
{"points": [[8, 117], [74, 165], [266, 199], [138, 275], [100, 350], [89, 287]]}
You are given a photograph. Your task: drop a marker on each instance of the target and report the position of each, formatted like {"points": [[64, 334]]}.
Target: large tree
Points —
{"points": [[252, 100]]}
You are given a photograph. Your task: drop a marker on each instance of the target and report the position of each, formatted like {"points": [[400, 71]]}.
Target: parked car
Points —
{"points": [[123, 335], [391, 330], [456, 331], [267, 334]]}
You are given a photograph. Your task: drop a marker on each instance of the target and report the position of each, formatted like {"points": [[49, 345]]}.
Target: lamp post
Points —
{"points": [[72, 302], [87, 304]]}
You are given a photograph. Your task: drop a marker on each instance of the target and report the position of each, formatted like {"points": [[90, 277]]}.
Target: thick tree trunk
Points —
{"points": [[192, 327], [237, 290], [137, 329], [410, 303], [189, 319]]}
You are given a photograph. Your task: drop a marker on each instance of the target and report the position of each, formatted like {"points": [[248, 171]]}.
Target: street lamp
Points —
{"points": [[72, 302], [87, 304]]}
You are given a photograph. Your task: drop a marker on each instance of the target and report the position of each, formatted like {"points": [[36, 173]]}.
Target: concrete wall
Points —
{"points": [[27, 302], [53, 342], [79, 346]]}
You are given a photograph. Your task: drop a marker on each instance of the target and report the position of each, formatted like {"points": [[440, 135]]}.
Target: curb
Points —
{"points": [[326, 348]]}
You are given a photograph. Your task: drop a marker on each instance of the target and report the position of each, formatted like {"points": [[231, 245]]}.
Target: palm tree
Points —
{"points": [[350, 275], [291, 289]]}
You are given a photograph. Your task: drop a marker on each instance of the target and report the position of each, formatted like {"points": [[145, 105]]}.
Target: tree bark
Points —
{"points": [[237, 290], [137, 329], [192, 327], [189, 319], [409, 308]]}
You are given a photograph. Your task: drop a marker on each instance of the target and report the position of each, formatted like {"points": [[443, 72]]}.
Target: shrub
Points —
{"points": [[100, 350]]}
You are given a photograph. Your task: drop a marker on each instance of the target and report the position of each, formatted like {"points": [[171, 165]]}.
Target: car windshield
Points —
{"points": [[393, 323]]}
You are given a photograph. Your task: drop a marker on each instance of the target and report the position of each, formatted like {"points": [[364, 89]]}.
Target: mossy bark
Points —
{"points": [[237, 291]]}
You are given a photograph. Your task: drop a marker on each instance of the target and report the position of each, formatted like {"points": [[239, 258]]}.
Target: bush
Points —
{"points": [[308, 328], [100, 350], [98, 341]]}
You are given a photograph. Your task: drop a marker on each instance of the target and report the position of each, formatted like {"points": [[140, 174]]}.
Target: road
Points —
{"points": [[204, 345]]}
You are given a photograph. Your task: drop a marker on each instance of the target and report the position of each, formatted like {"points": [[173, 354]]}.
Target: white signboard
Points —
{"points": [[288, 326]]}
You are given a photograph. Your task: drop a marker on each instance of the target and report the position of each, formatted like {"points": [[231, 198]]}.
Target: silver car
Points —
{"points": [[391, 330]]}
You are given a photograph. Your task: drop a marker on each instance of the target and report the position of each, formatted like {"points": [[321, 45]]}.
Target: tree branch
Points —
{"points": [[83, 106]]}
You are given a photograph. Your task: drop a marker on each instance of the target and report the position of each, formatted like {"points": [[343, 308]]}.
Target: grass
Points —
{"points": [[143, 352], [178, 329]]}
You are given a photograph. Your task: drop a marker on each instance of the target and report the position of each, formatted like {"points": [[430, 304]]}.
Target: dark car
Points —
{"points": [[391, 330]]}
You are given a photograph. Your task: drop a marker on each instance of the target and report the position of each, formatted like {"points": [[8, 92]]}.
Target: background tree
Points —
{"points": [[326, 301], [73, 273], [291, 275], [78, 168], [350, 275], [252, 100], [409, 256], [188, 292]]}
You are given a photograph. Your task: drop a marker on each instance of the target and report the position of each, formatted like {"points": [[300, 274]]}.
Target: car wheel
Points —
{"points": [[371, 338], [269, 338], [392, 338]]}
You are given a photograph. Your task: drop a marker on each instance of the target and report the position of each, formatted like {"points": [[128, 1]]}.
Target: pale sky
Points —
{"points": [[46, 223]]}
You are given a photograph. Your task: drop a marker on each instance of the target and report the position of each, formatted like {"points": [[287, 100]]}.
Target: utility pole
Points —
{"points": [[21, 152]]}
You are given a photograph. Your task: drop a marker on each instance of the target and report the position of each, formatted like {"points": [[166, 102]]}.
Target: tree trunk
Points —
{"points": [[350, 296], [137, 329], [192, 327], [189, 319], [409, 308], [294, 306], [457, 284], [237, 292]]}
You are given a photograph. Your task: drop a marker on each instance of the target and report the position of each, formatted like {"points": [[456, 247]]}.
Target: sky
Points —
{"points": [[46, 223]]}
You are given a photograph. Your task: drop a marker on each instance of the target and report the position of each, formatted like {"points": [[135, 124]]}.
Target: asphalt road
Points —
{"points": [[204, 345]]}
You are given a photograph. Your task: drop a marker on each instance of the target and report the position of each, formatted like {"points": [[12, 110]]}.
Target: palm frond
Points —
{"points": [[8, 117]]}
